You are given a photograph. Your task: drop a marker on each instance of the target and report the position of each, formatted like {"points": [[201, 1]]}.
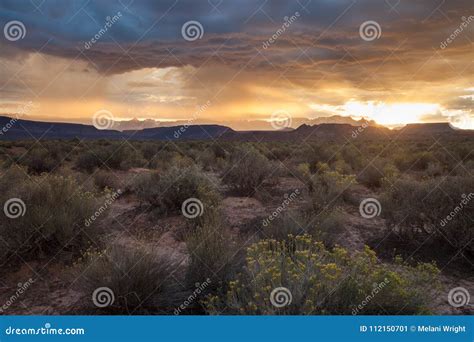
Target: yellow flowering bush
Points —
{"points": [[322, 281]]}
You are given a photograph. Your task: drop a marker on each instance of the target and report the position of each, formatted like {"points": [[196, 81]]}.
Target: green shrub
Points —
{"points": [[328, 227], [88, 161], [329, 190], [168, 190], [421, 209], [141, 282], [39, 160], [321, 281], [119, 156], [213, 255], [247, 170], [303, 173], [371, 176], [288, 223], [106, 179], [54, 219]]}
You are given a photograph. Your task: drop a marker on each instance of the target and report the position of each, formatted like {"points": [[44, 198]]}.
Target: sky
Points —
{"points": [[393, 61]]}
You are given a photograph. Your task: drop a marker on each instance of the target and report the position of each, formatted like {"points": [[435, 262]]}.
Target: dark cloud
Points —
{"points": [[319, 52]]}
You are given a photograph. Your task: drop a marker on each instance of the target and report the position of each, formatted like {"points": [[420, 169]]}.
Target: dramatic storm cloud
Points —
{"points": [[396, 61]]}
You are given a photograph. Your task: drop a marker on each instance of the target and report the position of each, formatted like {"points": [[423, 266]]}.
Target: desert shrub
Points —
{"points": [[287, 223], [105, 179], [353, 157], [141, 282], [281, 152], [213, 255], [328, 227], [121, 156], [303, 173], [167, 191], [342, 167], [433, 208], [206, 159], [434, 169], [149, 150], [11, 177], [88, 161], [40, 160], [390, 173], [329, 190], [411, 160], [54, 217], [321, 281], [371, 176], [117, 156], [247, 170]]}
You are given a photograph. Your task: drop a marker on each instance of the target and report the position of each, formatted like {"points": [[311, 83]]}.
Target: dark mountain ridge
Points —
{"points": [[18, 129]]}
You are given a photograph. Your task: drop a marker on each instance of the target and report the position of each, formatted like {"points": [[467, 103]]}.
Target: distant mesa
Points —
{"points": [[13, 129]]}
